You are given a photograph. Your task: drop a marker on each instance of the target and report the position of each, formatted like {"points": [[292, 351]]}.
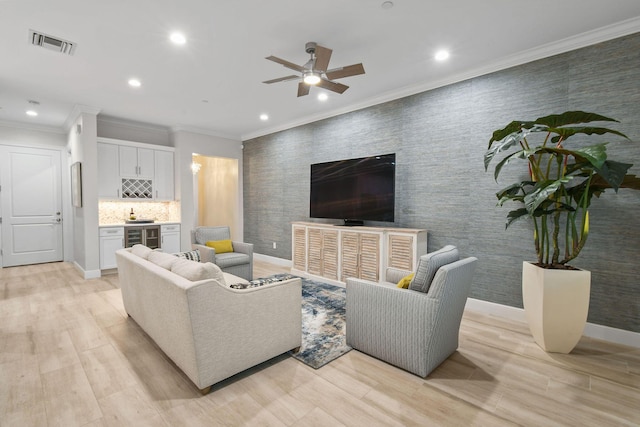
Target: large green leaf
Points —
{"points": [[515, 215], [509, 141], [614, 173], [595, 154], [521, 154], [513, 127], [571, 118], [567, 132], [513, 190], [542, 192]]}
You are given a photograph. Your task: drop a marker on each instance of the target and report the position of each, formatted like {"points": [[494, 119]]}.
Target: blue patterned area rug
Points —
{"points": [[323, 323]]}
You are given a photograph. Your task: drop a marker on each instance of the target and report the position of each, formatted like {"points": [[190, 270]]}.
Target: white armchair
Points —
{"points": [[239, 262], [413, 330]]}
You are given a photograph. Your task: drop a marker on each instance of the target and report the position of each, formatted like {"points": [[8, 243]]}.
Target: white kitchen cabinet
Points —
{"points": [[170, 238], [135, 171], [111, 239], [136, 162], [108, 175], [163, 181]]}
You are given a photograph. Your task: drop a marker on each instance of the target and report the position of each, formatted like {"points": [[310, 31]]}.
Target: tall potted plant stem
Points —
{"points": [[556, 197]]}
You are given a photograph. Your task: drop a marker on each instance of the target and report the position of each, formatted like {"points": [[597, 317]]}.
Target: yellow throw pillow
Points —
{"points": [[221, 246], [404, 282]]}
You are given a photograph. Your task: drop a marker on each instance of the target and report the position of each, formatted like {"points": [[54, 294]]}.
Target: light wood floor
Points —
{"points": [[69, 356]]}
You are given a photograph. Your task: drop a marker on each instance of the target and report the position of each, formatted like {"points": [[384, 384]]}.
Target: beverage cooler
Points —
{"points": [[148, 235]]}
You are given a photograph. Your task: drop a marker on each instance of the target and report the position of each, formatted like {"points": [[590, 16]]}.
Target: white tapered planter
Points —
{"points": [[556, 304]]}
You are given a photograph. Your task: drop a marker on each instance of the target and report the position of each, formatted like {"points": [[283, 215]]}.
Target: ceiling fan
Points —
{"points": [[315, 73]]}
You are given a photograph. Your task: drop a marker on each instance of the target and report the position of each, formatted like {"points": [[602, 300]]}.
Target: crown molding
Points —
{"points": [[75, 112], [33, 127], [568, 44]]}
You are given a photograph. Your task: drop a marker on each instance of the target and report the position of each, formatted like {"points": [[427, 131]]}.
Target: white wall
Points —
{"points": [[83, 146], [31, 137], [116, 128], [187, 143]]}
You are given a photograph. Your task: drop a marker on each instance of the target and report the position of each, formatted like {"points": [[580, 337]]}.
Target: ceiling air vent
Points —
{"points": [[53, 43]]}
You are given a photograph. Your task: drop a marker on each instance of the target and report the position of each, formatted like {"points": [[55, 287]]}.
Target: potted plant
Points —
{"points": [[556, 196]]}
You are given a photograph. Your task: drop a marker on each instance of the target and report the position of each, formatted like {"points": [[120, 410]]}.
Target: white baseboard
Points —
{"points": [[592, 330], [92, 274], [87, 274]]}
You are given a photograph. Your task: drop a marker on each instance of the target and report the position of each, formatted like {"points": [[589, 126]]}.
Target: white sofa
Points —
{"points": [[210, 330]]}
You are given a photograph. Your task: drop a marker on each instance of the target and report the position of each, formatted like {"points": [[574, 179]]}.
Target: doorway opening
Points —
{"points": [[216, 184]]}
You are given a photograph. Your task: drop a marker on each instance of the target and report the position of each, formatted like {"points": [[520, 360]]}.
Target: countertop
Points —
{"points": [[140, 224]]}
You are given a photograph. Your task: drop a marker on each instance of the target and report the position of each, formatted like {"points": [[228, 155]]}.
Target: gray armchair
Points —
{"points": [[413, 330], [239, 262]]}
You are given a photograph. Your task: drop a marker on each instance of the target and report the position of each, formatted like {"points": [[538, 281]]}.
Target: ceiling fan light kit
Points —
{"points": [[315, 71], [311, 78]]}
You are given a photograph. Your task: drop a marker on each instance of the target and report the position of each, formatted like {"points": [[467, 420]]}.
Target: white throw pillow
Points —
{"points": [[195, 271], [162, 259], [141, 250]]}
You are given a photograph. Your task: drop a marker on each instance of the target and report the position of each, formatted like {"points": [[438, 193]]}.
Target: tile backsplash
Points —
{"points": [[118, 212]]}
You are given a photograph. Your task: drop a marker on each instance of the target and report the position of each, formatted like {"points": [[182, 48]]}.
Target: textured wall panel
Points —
{"points": [[439, 138]]}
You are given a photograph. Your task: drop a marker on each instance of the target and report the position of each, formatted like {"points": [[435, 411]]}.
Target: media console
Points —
{"points": [[332, 253]]}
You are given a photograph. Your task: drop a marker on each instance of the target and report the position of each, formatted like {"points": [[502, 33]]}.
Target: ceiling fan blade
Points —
{"points": [[282, 79], [303, 89], [332, 86], [286, 63], [348, 71], [323, 56]]}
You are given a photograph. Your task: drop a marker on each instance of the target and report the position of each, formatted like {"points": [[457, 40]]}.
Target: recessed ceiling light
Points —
{"points": [[32, 113], [387, 4], [264, 117], [323, 96], [178, 38], [441, 55], [134, 83]]}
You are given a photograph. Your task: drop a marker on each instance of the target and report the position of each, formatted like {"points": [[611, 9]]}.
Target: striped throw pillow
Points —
{"points": [[190, 255]]}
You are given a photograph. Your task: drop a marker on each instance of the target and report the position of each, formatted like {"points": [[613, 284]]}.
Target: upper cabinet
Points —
{"points": [[163, 182], [135, 171], [108, 178], [136, 162]]}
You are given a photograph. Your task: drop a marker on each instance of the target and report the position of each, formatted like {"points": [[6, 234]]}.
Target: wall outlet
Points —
{"points": [[274, 245]]}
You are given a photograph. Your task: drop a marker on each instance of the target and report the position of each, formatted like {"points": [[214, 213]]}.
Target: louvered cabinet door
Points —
{"points": [[400, 251], [369, 248], [314, 251], [350, 244], [300, 248], [330, 254]]}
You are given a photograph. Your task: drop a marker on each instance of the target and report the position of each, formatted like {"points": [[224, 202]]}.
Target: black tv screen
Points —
{"points": [[354, 189]]}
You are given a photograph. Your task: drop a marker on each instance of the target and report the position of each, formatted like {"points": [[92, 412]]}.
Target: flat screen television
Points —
{"points": [[354, 190]]}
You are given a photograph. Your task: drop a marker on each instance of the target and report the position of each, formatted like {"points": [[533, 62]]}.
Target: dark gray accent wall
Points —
{"points": [[439, 138]]}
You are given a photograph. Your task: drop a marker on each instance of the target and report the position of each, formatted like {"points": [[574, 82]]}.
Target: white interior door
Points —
{"points": [[31, 206]]}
